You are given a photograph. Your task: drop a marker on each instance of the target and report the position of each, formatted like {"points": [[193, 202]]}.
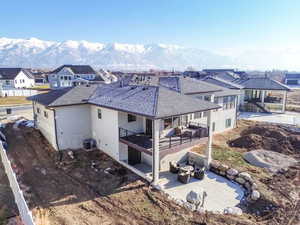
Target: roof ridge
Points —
{"points": [[156, 100]]}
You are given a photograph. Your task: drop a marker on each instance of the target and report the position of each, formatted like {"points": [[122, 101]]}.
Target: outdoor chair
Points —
{"points": [[184, 177], [199, 173], [174, 167]]}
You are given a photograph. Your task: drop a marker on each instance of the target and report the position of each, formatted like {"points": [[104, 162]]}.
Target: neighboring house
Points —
{"points": [[257, 93], [148, 122], [11, 78], [292, 79], [72, 75]]}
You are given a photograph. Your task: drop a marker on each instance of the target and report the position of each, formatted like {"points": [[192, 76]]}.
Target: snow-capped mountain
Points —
{"points": [[37, 53]]}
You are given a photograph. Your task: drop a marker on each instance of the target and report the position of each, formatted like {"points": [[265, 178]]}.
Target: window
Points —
{"points": [[213, 126], [228, 123], [168, 123], [207, 98], [197, 115], [16, 81], [205, 114], [7, 82], [45, 114], [131, 118], [38, 110], [99, 114]]}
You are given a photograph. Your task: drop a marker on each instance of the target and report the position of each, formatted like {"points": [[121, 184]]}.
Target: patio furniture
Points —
{"points": [[187, 168], [184, 177], [199, 173], [174, 167]]}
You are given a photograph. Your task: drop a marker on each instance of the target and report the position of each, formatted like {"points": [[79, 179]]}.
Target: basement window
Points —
{"points": [[45, 114], [131, 118], [228, 123], [99, 114]]}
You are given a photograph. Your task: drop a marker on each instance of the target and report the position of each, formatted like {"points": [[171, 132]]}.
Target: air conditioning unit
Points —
{"points": [[89, 144]]}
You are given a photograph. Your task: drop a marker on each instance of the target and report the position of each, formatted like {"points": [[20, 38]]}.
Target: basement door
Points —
{"points": [[134, 156]]}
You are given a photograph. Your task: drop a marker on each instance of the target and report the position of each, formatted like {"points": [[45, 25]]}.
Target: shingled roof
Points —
{"points": [[292, 76], [77, 69], [65, 96], [263, 83], [11, 73], [150, 101]]}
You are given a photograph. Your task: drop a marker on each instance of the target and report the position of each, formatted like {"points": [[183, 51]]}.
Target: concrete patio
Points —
{"points": [[221, 193]]}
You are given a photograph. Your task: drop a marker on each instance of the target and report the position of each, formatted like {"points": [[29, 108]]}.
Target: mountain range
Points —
{"points": [[38, 53]]}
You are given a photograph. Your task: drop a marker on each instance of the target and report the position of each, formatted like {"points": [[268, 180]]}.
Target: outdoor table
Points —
{"points": [[187, 168]]}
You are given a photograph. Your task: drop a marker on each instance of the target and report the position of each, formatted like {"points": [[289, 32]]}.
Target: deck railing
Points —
{"points": [[172, 140]]}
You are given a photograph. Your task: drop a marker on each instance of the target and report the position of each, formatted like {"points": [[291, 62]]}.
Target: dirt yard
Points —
{"points": [[282, 190], [91, 188], [7, 206]]}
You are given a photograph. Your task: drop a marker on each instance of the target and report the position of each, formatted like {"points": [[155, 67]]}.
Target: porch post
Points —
{"points": [[284, 101], [209, 142], [263, 97], [155, 150]]}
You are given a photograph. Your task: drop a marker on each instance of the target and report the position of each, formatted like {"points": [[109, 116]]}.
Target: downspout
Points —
{"points": [[55, 129]]}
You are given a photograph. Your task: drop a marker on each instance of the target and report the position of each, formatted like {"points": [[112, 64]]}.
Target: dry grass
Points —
{"points": [[15, 100], [45, 86]]}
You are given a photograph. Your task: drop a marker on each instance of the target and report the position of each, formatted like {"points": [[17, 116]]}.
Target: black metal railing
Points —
{"points": [[169, 141]]}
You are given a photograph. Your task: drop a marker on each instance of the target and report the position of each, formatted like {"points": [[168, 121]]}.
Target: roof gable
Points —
{"points": [[76, 69]]}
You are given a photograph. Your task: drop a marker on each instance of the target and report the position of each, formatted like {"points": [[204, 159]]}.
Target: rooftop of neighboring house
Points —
{"points": [[263, 83], [292, 75], [11, 73], [147, 100], [76, 69], [237, 81]]}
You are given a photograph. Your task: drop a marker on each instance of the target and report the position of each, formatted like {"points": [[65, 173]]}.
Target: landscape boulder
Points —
{"points": [[240, 180], [195, 197], [273, 161], [232, 172], [233, 211], [255, 195]]}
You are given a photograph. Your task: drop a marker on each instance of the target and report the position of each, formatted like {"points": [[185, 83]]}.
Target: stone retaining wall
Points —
{"points": [[242, 178]]}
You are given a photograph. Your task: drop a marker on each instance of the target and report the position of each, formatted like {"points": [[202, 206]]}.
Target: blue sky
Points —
{"points": [[210, 24]]}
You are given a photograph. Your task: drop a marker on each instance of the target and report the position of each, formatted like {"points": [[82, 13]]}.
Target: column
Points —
{"points": [[155, 151], [284, 101], [263, 97], [209, 142]]}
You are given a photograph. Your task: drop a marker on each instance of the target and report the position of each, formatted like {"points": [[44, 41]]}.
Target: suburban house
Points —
{"points": [[142, 122], [292, 79], [257, 94], [16, 78], [73, 75]]}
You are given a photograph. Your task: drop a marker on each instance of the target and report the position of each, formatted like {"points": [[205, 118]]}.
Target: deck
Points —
{"points": [[167, 145]]}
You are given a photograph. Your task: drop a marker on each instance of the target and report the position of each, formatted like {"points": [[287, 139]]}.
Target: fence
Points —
{"points": [[24, 211], [17, 92]]}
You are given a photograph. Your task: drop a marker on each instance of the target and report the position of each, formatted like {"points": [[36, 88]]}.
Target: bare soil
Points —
{"points": [[8, 207], [268, 137], [91, 188], [279, 203]]}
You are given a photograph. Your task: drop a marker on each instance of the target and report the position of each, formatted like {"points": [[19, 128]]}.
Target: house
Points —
{"points": [[139, 121], [11, 78], [72, 75], [292, 79], [257, 93]]}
